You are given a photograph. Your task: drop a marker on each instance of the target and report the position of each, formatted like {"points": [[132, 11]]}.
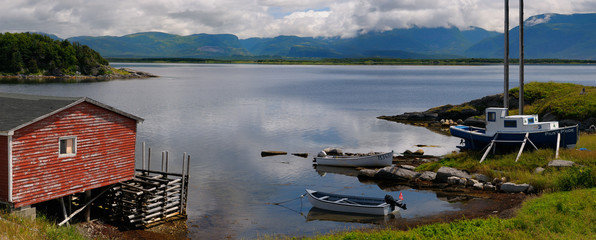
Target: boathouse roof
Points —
{"points": [[20, 110]]}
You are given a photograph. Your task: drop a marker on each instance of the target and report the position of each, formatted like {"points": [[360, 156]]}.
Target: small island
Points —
{"points": [[31, 57]]}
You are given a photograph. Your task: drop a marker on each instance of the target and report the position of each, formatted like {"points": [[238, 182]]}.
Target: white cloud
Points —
{"points": [[264, 18]]}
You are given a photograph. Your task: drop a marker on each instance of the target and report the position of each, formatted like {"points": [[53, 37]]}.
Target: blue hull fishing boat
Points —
{"points": [[510, 131]]}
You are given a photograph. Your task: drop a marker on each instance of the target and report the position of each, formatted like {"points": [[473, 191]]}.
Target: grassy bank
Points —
{"points": [[524, 171], [13, 227], [564, 100], [560, 215]]}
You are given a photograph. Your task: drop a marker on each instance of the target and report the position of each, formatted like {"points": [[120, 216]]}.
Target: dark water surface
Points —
{"points": [[225, 115]]}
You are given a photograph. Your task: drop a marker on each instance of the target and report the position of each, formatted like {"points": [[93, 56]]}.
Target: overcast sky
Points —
{"points": [[264, 18]]}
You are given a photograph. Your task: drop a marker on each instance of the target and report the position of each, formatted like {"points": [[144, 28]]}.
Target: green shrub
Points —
{"points": [[576, 177]]}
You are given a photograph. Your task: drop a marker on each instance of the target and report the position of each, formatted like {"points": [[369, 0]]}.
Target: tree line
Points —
{"points": [[36, 54]]}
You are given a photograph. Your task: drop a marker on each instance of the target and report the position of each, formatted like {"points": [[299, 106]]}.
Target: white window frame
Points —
{"points": [[74, 146]]}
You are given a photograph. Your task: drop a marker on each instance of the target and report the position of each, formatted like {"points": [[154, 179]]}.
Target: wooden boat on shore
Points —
{"points": [[376, 160], [511, 131], [353, 204]]}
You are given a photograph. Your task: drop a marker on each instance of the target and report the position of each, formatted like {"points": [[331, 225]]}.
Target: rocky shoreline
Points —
{"points": [[129, 74], [470, 114], [448, 178]]}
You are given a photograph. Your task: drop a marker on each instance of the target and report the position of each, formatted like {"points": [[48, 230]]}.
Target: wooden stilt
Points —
{"points": [[487, 150], [149, 159], [167, 160], [88, 209], [558, 143], [530, 141], [143, 155], [67, 218], [522, 146], [163, 157], [64, 212], [183, 183], [68, 204]]}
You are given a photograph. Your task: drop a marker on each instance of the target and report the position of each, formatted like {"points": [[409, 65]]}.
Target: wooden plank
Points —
{"points": [[159, 172]]}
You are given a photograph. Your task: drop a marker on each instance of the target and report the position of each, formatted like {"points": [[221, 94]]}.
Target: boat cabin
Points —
{"points": [[52, 147], [497, 120]]}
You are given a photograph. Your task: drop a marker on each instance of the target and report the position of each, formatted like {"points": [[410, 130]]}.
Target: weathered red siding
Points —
{"points": [[105, 154], [4, 168]]}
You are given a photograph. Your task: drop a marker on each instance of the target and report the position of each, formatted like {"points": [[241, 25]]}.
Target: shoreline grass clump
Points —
{"points": [[15, 227]]}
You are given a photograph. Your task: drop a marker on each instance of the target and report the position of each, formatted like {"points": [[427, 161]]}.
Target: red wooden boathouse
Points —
{"points": [[52, 147]]}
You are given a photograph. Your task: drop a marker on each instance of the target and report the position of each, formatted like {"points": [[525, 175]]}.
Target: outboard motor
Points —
{"points": [[393, 203], [321, 154]]}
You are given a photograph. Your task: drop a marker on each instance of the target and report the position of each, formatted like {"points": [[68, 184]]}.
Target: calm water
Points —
{"points": [[225, 115]]}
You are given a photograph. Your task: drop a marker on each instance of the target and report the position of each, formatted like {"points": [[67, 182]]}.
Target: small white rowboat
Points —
{"points": [[353, 204], [378, 160]]}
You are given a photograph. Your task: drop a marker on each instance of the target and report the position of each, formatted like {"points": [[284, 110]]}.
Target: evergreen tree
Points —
{"points": [[28, 53]]}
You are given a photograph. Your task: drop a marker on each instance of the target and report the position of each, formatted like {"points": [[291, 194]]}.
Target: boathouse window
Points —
{"points": [[68, 146], [492, 116], [510, 123]]}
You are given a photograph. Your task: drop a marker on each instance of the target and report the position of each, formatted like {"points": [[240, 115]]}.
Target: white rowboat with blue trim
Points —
{"points": [[376, 160], [353, 204]]}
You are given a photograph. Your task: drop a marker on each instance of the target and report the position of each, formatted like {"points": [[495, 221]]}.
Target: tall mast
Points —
{"points": [[506, 60], [521, 57]]}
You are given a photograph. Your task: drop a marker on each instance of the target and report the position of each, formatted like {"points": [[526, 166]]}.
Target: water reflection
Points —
{"points": [[315, 214], [322, 170], [420, 202]]}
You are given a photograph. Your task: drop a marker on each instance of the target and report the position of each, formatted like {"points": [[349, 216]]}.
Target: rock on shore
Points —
{"points": [[444, 177]]}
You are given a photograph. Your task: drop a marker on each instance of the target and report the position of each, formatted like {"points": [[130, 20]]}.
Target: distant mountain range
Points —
{"points": [[546, 36]]}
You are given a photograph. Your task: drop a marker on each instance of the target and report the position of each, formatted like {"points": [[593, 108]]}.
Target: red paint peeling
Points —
{"points": [[105, 154]]}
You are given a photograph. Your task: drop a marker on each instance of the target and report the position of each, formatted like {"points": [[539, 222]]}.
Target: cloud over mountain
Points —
{"points": [[264, 18]]}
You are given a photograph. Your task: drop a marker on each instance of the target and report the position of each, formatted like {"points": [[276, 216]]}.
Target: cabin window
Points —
{"points": [[492, 116], [510, 123], [530, 120], [68, 146]]}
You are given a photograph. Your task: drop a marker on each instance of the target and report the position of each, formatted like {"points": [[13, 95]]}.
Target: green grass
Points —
{"points": [[560, 215], [13, 227], [552, 179], [560, 99]]}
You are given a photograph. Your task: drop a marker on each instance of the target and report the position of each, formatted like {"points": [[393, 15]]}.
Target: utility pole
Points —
{"points": [[521, 57]]}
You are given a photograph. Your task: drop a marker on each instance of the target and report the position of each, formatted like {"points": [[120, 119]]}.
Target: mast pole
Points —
{"points": [[521, 57], [506, 60]]}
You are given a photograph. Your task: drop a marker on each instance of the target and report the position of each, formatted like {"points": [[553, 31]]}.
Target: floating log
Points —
{"points": [[304, 155], [272, 153]]}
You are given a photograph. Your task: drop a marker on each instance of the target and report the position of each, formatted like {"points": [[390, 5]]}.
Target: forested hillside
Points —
{"points": [[36, 54]]}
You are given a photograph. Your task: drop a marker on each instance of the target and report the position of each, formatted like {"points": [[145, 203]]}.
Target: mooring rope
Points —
{"points": [[282, 202]]}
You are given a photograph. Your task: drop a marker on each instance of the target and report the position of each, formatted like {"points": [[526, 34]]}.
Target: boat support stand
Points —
{"points": [[523, 142]]}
